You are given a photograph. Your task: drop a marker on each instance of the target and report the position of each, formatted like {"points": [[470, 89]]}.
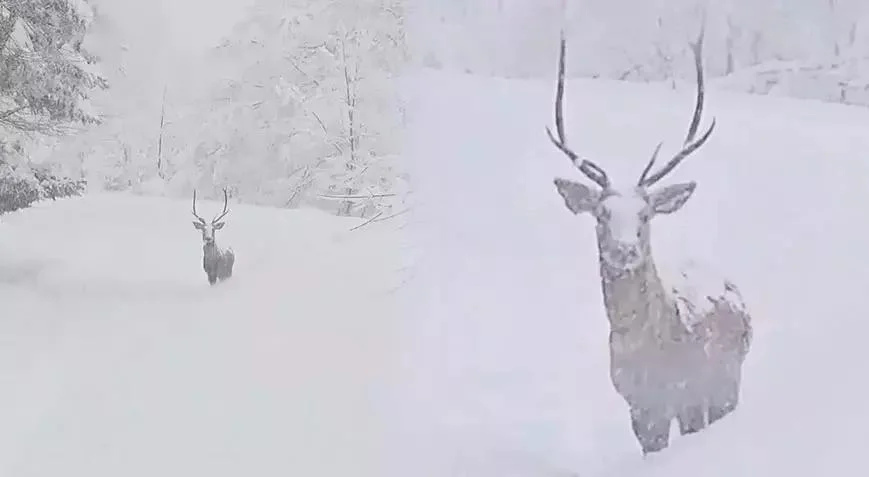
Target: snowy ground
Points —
{"points": [[506, 370], [118, 359]]}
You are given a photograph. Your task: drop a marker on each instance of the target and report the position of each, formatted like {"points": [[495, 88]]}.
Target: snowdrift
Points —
{"points": [[506, 364], [118, 359]]}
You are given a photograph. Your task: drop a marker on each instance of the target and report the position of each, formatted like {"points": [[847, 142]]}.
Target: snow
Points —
{"points": [[117, 357], [697, 287], [82, 9], [505, 367], [624, 219]]}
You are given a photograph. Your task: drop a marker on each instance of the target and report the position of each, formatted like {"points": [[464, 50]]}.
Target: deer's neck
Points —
{"points": [[635, 300], [211, 251]]}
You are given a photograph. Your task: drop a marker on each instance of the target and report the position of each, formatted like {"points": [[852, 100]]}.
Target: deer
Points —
{"points": [[677, 343], [216, 261]]}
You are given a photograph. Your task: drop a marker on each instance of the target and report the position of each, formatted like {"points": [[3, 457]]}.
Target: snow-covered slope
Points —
{"points": [[506, 365], [118, 359]]}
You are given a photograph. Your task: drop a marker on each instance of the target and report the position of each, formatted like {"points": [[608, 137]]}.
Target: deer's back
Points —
{"points": [[706, 322], [711, 308], [699, 291], [227, 260]]}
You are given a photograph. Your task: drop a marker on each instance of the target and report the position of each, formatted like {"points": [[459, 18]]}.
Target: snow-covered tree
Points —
{"points": [[637, 40], [47, 79], [121, 152], [46, 76], [306, 109]]}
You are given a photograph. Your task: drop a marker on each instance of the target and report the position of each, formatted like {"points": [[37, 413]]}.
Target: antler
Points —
{"points": [[688, 146], [590, 169], [220, 216], [194, 208], [225, 204]]}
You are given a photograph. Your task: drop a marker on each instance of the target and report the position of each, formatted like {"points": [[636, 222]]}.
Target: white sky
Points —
{"points": [[165, 39], [194, 25]]}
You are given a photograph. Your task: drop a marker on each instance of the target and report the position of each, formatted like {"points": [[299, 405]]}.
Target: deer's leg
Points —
{"points": [[652, 428], [724, 401], [691, 419], [693, 403], [725, 394]]}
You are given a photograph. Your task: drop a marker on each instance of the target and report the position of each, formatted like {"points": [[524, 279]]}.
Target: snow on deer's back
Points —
{"points": [[697, 288]]}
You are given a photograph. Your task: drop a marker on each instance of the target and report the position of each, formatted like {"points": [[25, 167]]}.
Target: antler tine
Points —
{"points": [[697, 50], [194, 208], [688, 146], [678, 158], [650, 164], [225, 205], [590, 169]]}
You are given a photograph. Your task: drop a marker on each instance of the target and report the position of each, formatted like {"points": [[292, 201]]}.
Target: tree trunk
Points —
{"points": [[350, 99], [160, 139]]}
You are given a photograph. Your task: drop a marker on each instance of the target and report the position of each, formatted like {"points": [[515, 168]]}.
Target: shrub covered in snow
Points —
{"points": [[18, 189], [53, 187], [21, 186]]}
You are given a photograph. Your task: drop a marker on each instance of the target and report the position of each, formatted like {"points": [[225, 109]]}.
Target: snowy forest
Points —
{"points": [[298, 105], [812, 49], [295, 107]]}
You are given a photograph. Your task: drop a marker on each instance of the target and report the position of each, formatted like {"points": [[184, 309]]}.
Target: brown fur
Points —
{"points": [[217, 263], [665, 368]]}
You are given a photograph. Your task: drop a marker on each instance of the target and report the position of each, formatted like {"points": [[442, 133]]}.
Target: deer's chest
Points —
{"points": [[650, 330], [210, 257]]}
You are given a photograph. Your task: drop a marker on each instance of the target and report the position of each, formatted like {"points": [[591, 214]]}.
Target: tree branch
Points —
{"points": [[344, 197], [6, 114]]}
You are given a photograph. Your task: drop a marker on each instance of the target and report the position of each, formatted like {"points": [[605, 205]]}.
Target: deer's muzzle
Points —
{"points": [[624, 256]]}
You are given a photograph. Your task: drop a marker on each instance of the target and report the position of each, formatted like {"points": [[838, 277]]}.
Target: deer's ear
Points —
{"points": [[577, 197], [219, 225], [197, 225], [671, 198]]}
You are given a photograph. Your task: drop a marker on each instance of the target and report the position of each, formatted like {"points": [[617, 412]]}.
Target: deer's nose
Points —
{"points": [[627, 253]]}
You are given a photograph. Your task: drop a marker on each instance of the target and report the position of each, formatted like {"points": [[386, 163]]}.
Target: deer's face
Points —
{"points": [[623, 217], [208, 230]]}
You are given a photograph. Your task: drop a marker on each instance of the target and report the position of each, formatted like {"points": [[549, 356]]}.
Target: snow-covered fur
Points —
{"points": [[676, 346], [217, 263]]}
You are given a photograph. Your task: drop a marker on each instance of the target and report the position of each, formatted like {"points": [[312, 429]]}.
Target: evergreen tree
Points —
{"points": [[45, 74], [46, 77]]}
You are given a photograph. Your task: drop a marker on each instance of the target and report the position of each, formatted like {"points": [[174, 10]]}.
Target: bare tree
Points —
{"points": [[160, 139], [350, 79]]}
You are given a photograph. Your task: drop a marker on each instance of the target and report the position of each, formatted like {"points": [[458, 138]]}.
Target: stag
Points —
{"points": [[676, 346], [216, 262]]}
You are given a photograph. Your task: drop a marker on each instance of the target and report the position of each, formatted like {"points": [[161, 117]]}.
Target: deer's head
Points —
{"points": [[623, 215], [208, 229]]}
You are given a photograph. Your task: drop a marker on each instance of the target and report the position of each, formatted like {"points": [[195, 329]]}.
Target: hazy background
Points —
{"points": [[194, 24], [813, 49]]}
